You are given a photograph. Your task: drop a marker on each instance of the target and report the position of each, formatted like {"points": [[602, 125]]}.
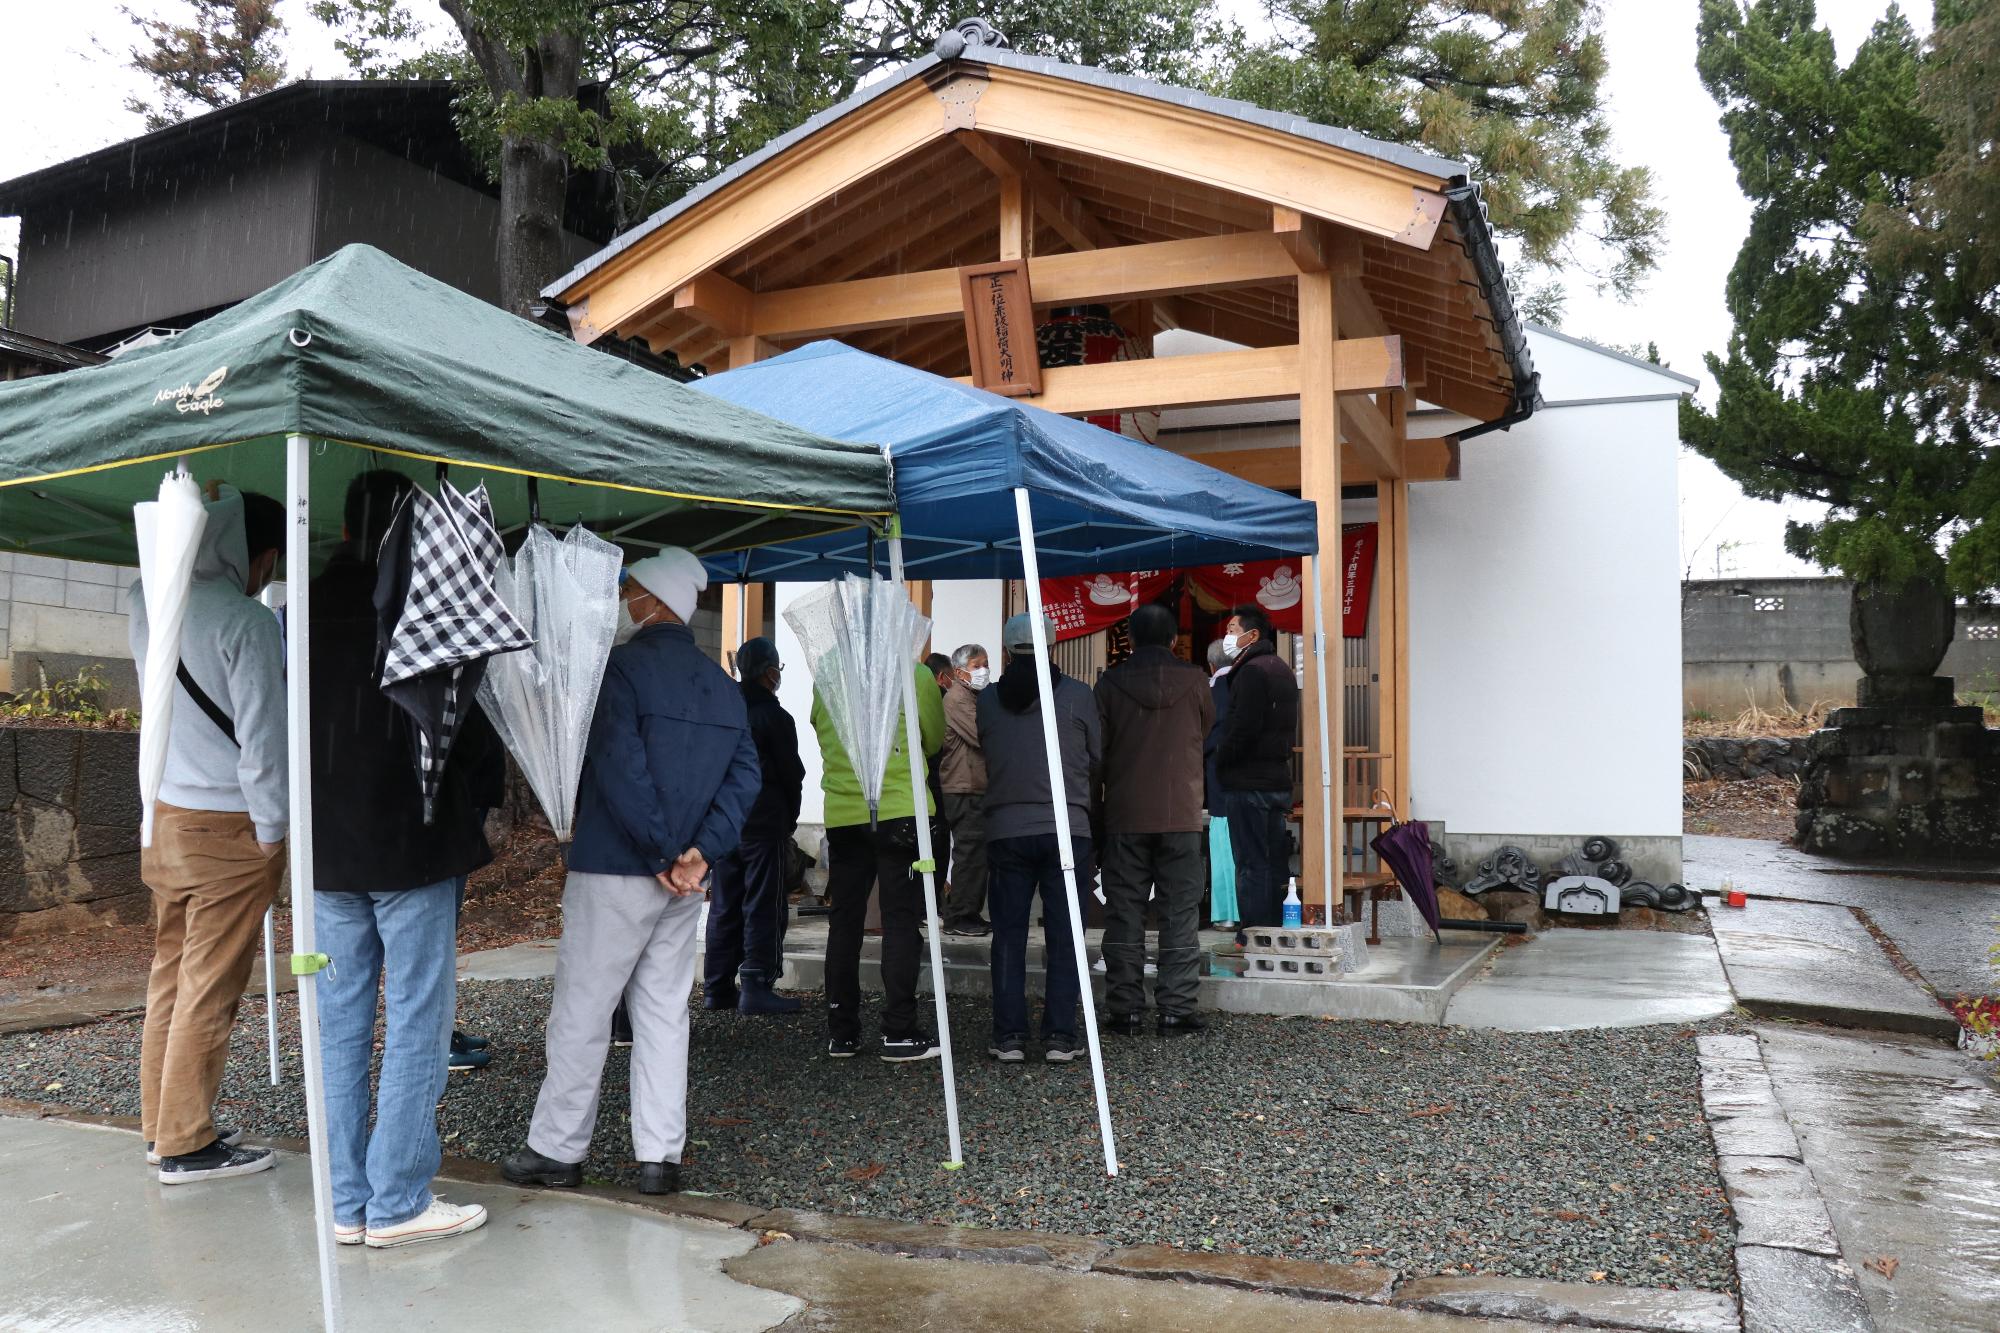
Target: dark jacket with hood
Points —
{"points": [[1157, 711], [1018, 800], [369, 834], [1255, 753], [775, 813]]}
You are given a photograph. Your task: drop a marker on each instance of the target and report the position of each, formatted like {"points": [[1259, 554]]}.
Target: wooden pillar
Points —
{"points": [[920, 595], [743, 603], [1392, 639], [1319, 481], [1017, 217]]}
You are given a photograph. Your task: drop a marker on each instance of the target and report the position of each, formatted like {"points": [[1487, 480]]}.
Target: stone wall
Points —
{"points": [[1742, 758], [69, 828]]}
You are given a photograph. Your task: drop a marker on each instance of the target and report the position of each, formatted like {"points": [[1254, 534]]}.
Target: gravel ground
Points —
{"points": [[1572, 1156]]}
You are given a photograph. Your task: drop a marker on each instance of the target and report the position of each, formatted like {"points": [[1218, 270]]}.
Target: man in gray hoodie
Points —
{"points": [[218, 834]]}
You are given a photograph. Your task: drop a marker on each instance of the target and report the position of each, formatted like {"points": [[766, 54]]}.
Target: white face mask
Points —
{"points": [[627, 627], [980, 676], [1231, 645]]}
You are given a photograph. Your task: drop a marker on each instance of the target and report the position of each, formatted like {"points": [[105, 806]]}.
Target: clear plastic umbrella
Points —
{"points": [[564, 592], [861, 638], [169, 531]]}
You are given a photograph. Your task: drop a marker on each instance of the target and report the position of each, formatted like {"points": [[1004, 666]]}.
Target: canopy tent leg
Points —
{"points": [[920, 796], [271, 991], [1031, 576], [306, 963], [1329, 868]]}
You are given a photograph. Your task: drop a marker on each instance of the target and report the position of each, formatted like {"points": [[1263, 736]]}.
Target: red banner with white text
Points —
{"points": [[1090, 603]]}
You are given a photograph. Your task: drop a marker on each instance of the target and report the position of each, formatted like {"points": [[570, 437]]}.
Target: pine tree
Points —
{"points": [[225, 52], [1856, 372], [1513, 86]]}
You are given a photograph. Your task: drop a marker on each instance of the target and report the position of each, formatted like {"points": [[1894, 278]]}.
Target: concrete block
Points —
{"points": [[90, 597], [42, 566], [40, 589], [1254, 1272], [111, 576]]}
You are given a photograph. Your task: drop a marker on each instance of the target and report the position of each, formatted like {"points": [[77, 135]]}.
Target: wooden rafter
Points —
{"points": [[1354, 366]]}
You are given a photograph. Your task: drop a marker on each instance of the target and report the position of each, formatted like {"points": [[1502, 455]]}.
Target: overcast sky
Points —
{"points": [[64, 81]]}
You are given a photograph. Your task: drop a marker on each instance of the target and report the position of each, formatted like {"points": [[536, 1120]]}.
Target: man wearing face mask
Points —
{"points": [[670, 775], [218, 829], [746, 908], [962, 777], [1253, 763]]}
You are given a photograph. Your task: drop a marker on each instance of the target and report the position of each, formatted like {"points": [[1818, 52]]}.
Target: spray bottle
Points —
{"points": [[1295, 912]]}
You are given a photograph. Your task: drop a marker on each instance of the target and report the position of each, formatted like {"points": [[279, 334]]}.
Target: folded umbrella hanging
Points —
{"points": [[169, 532], [564, 593], [441, 617]]}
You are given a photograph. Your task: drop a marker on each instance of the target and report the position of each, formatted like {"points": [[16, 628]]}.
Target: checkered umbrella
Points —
{"points": [[441, 617]]}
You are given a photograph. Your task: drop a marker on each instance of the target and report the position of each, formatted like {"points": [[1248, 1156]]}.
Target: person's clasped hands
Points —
{"points": [[687, 875]]}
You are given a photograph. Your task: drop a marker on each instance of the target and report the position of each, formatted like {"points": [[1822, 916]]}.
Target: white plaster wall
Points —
{"points": [[968, 611], [796, 694], [1545, 628]]}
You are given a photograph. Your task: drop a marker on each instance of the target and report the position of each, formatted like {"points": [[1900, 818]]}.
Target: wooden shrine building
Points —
{"points": [[1346, 278]]}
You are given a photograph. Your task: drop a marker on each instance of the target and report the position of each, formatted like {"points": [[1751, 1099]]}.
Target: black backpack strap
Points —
{"points": [[206, 704]]}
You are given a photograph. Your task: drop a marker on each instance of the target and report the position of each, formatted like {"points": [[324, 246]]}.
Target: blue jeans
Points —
{"points": [[1263, 846], [1016, 868], [406, 944]]}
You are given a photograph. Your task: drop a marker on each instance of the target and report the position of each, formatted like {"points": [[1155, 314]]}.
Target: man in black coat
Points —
{"points": [[747, 910], [1253, 763]]}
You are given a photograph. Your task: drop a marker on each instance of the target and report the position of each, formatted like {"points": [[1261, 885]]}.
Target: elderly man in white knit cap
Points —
{"points": [[668, 778]]}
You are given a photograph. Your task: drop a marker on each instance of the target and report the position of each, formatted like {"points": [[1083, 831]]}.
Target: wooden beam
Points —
{"points": [[1126, 272], [1357, 366], [1302, 238], [1053, 204], [1319, 481], [748, 348], [1367, 194], [1017, 219], [1366, 425], [1278, 466], [717, 302]]}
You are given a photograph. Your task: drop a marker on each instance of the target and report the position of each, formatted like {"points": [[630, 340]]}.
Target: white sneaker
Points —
{"points": [[440, 1221], [349, 1235]]}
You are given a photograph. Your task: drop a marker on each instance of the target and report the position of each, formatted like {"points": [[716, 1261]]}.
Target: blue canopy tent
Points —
{"points": [[991, 487]]}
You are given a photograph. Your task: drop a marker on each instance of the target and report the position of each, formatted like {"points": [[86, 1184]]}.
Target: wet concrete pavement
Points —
{"points": [[91, 1242], [856, 1291], [1566, 979], [1942, 925], [1817, 961], [1902, 1138]]}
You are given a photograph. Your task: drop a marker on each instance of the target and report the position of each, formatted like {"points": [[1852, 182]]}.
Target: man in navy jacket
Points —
{"points": [[669, 776]]}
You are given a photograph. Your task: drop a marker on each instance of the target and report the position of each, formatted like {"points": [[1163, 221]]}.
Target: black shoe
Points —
{"points": [[659, 1177], [1008, 1050], [465, 1041], [1061, 1049], [908, 1047], [225, 1136], [719, 997], [971, 930], [621, 1026], [528, 1167], [215, 1162], [460, 1061], [1179, 1025], [1126, 1025], [758, 998], [843, 1048]]}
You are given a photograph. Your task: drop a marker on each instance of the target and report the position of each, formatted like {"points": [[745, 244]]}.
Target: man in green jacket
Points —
{"points": [[861, 855]]}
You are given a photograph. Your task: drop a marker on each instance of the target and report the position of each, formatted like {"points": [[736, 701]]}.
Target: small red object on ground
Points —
{"points": [[1738, 898]]}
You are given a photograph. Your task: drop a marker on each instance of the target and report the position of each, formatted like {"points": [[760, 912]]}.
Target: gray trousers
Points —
{"points": [[967, 816], [623, 935], [1133, 864]]}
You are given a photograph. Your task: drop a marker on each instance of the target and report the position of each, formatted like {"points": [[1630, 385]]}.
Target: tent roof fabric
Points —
{"points": [[363, 350], [1101, 501]]}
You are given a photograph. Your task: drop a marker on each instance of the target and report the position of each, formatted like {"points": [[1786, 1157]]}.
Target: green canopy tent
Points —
{"points": [[359, 362]]}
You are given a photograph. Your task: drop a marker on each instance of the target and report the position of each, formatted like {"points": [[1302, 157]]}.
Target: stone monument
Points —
{"points": [[1906, 773]]}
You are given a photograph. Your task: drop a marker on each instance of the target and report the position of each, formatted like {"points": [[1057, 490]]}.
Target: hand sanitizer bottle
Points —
{"points": [[1295, 912]]}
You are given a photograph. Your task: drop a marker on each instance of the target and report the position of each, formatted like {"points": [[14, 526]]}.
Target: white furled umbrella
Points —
{"points": [[564, 593], [861, 638], [169, 531]]}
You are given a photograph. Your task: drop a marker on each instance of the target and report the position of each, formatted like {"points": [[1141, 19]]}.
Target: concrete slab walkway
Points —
{"points": [[1567, 979], [1902, 1139], [1815, 961], [92, 1241]]}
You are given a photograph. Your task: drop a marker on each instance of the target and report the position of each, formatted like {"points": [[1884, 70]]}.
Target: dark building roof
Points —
{"points": [[24, 348]]}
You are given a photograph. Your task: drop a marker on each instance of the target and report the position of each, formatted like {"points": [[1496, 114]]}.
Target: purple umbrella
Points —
{"points": [[1406, 849]]}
